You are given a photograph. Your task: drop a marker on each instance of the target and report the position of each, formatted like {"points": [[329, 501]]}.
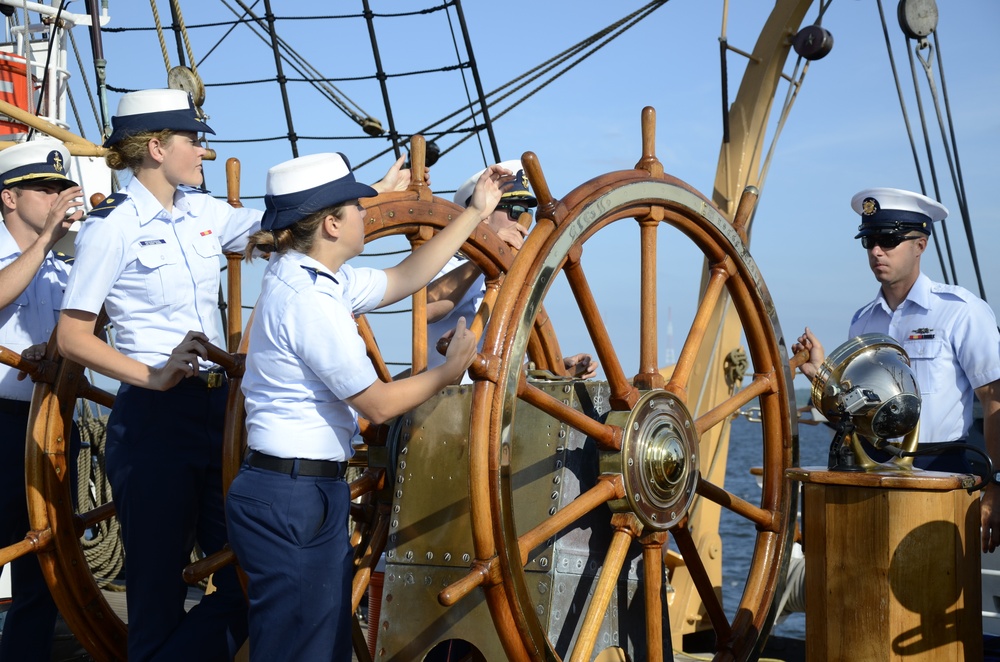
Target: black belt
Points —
{"points": [[294, 466], [14, 407]]}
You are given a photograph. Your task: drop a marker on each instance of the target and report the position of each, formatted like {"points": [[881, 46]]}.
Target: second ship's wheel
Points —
{"points": [[642, 469]]}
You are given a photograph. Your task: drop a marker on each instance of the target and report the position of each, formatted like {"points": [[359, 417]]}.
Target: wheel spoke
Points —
{"points": [[699, 575], [623, 394], [418, 321], [84, 521], [656, 621], [371, 347], [761, 384], [627, 527], [696, 335], [649, 376], [764, 519], [608, 487], [33, 541], [368, 560], [608, 437]]}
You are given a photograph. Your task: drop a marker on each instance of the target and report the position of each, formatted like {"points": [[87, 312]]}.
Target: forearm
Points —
{"points": [[382, 401], [418, 268], [16, 276], [78, 343], [989, 398]]}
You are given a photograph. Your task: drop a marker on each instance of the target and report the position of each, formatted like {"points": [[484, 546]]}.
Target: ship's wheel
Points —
{"points": [[57, 530], [647, 469]]}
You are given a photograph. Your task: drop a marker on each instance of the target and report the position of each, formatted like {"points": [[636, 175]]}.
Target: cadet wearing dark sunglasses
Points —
{"points": [[886, 241], [949, 334]]}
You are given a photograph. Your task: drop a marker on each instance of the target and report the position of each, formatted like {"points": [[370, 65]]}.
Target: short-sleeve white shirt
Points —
{"points": [[466, 307], [952, 340], [32, 316], [157, 272], [305, 357]]}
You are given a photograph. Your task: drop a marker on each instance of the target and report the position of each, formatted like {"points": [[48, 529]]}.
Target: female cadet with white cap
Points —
{"points": [[307, 372], [150, 255]]}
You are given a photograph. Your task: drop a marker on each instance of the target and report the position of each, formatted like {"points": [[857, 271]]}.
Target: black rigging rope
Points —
{"points": [[611, 32], [948, 141], [909, 130]]}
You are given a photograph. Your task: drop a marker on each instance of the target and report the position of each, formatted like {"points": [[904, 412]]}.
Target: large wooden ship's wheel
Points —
{"points": [[57, 529], [647, 466]]}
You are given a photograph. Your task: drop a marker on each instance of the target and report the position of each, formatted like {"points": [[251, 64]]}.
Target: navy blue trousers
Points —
{"points": [[164, 461], [290, 536], [31, 619]]}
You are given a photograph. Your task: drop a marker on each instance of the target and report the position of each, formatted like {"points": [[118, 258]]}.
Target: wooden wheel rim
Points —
{"points": [[628, 194]]}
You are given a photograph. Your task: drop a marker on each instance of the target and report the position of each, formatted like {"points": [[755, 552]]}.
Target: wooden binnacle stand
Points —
{"points": [[893, 566]]}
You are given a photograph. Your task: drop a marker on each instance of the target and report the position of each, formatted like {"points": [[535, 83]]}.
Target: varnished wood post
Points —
{"points": [[892, 567], [234, 312]]}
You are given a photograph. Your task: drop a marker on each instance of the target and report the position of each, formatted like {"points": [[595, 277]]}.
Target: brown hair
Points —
{"points": [[298, 236], [129, 153]]}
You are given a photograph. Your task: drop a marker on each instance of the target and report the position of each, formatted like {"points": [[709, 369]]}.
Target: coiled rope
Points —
{"points": [[102, 543]]}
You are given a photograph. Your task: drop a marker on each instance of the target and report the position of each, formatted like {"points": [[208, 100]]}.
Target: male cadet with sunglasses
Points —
{"points": [[39, 203], [949, 334], [459, 288]]}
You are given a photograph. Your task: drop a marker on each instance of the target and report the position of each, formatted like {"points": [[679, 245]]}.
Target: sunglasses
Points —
{"points": [[514, 211], [885, 241]]}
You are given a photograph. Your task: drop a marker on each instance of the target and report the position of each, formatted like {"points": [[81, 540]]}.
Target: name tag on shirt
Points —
{"points": [[152, 242]]}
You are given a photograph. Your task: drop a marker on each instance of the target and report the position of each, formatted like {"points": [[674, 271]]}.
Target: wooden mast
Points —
{"points": [[739, 167]]}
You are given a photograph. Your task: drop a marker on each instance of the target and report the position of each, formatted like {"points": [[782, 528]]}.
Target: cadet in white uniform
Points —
{"points": [[39, 203], [150, 254], [949, 334], [307, 373]]}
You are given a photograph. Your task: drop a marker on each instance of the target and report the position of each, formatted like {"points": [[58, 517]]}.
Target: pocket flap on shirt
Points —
{"points": [[924, 348], [156, 255]]}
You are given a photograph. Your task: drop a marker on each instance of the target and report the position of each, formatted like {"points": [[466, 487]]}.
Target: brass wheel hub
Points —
{"points": [[658, 459]]}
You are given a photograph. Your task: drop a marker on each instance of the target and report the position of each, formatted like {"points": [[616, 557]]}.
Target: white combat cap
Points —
{"points": [[303, 186], [155, 110]]}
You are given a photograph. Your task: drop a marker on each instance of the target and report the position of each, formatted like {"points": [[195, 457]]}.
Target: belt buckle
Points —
{"points": [[213, 379]]}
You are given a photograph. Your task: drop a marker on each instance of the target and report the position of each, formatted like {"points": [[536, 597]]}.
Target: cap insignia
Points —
{"points": [[869, 206], [56, 159]]}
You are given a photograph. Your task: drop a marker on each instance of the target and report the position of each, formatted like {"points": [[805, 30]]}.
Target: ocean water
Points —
{"points": [[737, 535]]}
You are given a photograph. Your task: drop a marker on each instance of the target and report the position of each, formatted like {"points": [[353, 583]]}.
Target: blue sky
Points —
{"points": [[845, 131]]}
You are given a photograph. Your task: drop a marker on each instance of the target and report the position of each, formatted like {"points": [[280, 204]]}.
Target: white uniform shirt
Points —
{"points": [[951, 338], [466, 307], [306, 357], [32, 316], [156, 272]]}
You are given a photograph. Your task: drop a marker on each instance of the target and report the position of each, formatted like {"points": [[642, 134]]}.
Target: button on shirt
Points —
{"points": [[306, 357], [32, 316], [157, 272], [952, 340], [465, 307]]}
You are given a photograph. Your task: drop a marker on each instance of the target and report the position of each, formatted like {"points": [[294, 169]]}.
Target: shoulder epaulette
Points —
{"points": [[316, 272], [62, 257], [108, 205], [193, 189]]}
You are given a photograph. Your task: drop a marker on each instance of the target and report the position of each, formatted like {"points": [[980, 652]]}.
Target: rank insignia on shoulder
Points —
{"points": [[108, 205], [62, 257], [316, 272], [194, 189], [921, 334]]}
